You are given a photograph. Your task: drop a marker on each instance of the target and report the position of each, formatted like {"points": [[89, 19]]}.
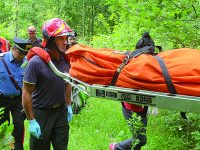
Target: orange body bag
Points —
{"points": [[98, 66]]}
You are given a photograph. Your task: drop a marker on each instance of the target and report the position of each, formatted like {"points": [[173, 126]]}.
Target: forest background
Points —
{"points": [[116, 24]]}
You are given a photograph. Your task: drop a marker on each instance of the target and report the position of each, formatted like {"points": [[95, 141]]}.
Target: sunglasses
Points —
{"points": [[22, 52]]}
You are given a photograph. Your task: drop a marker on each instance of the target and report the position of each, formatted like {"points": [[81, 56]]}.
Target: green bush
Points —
{"points": [[6, 139], [136, 127], [168, 131]]}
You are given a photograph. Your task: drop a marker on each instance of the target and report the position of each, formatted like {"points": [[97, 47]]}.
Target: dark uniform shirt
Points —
{"points": [[49, 88], [37, 42]]}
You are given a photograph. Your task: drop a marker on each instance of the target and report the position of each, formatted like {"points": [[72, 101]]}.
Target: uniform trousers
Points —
{"points": [[14, 105], [54, 129]]}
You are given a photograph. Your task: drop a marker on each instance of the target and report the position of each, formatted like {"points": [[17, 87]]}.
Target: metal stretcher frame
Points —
{"points": [[141, 97]]}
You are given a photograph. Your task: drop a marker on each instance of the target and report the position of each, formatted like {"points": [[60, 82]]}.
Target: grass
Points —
{"points": [[101, 122]]}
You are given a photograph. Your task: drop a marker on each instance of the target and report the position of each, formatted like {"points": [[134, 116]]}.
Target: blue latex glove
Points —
{"points": [[69, 113], [34, 128]]}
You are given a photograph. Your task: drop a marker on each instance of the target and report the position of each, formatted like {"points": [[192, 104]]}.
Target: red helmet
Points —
{"points": [[54, 27]]}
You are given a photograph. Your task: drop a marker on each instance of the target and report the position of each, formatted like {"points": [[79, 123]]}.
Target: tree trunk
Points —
{"points": [[16, 17], [83, 19]]}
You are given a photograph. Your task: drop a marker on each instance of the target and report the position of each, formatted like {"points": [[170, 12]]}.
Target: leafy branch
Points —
{"points": [[6, 139], [136, 127], [195, 11], [176, 5]]}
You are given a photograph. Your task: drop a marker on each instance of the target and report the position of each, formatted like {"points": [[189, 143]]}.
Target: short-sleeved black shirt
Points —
{"points": [[49, 88]]}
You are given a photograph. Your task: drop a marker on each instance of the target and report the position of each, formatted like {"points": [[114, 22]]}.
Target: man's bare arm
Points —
{"points": [[68, 94], [27, 99]]}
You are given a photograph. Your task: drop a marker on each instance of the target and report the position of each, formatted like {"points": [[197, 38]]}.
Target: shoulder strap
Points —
{"points": [[10, 75]]}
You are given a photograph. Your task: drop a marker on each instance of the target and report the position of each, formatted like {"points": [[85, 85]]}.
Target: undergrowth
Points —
{"points": [[101, 122]]}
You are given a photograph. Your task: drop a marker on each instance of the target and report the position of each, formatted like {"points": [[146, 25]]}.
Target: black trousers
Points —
{"points": [[14, 105], [54, 129]]}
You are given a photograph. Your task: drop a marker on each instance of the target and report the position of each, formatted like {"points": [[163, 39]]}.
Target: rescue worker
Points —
{"points": [[46, 97], [72, 39], [11, 77], [32, 36]]}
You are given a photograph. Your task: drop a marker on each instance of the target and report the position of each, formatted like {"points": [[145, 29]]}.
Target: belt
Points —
{"points": [[13, 97], [55, 106], [8, 97]]}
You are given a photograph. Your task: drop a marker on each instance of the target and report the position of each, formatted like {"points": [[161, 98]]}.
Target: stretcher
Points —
{"points": [[167, 100], [141, 97]]}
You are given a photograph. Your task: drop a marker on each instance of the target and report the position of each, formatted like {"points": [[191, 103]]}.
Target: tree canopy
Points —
{"points": [[109, 23]]}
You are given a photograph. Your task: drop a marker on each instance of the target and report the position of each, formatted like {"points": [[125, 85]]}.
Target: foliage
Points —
{"points": [[118, 25], [136, 127], [95, 126], [101, 122], [196, 137], [6, 139], [171, 24], [170, 129], [109, 23]]}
